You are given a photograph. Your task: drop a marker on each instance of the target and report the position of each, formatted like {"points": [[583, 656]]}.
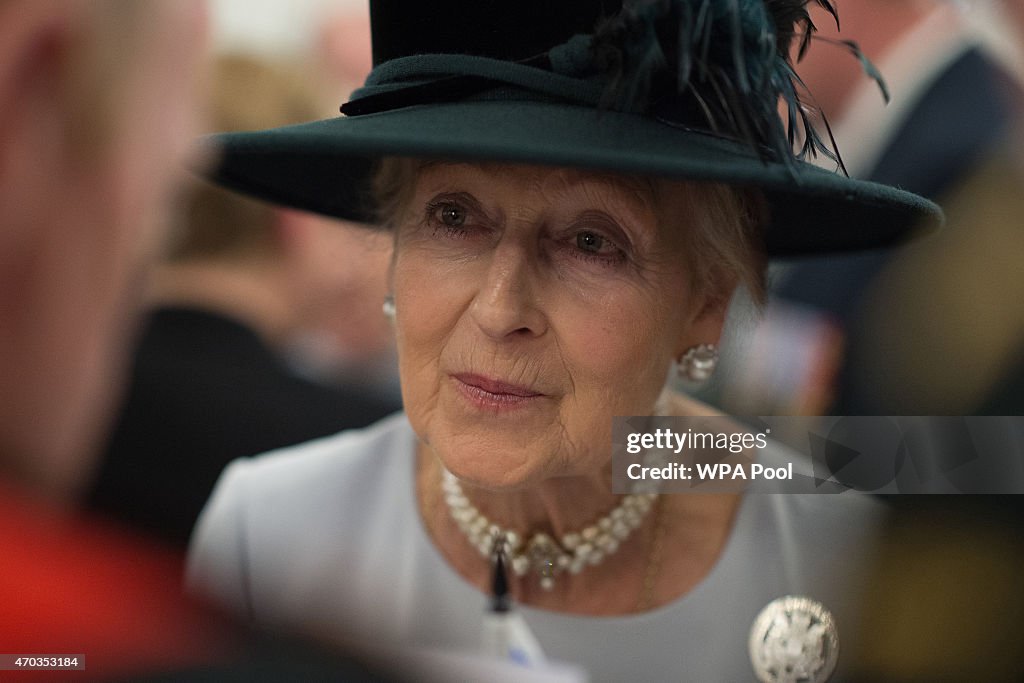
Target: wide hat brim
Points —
{"points": [[325, 166]]}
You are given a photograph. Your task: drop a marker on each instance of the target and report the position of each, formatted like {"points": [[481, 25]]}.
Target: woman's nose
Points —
{"points": [[506, 303]]}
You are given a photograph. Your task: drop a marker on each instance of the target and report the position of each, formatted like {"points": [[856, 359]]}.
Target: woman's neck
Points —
{"points": [[669, 552], [564, 504], [543, 508]]}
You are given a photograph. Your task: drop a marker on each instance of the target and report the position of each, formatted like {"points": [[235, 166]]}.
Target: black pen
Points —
{"points": [[505, 634]]}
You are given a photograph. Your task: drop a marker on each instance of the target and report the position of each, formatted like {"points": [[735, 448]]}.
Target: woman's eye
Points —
{"points": [[452, 215], [590, 241], [592, 246], [448, 218]]}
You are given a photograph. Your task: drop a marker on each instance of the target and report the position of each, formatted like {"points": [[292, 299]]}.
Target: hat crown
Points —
{"points": [[500, 29], [720, 66]]}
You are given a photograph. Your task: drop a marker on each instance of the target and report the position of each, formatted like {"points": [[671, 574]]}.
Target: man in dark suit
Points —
{"points": [[951, 112]]}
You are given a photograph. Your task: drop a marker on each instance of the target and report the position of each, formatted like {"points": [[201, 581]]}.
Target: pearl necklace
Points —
{"points": [[544, 555]]}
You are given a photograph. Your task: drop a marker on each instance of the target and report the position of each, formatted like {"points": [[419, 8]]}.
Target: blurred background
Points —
{"points": [[935, 328], [263, 325], [328, 42]]}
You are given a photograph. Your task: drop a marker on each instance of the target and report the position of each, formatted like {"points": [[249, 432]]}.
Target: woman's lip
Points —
{"points": [[496, 386]]}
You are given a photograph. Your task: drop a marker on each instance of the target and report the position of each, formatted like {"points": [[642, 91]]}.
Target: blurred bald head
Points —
{"points": [[97, 118]]}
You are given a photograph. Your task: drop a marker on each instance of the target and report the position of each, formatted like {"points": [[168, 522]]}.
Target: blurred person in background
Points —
{"points": [[969, 359], [97, 116], [241, 280], [349, 343], [343, 46], [813, 352], [951, 301]]}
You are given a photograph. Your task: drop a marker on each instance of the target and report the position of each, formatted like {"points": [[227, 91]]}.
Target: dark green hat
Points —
{"points": [[685, 89]]}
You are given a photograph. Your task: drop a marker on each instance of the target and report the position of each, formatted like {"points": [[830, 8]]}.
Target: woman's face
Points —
{"points": [[533, 305]]}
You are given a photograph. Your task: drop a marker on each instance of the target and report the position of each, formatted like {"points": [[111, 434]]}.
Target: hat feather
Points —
{"points": [[732, 57]]}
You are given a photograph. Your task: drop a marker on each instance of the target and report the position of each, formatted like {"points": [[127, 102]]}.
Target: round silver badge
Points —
{"points": [[794, 640]]}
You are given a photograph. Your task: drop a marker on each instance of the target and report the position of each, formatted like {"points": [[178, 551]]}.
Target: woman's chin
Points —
{"points": [[500, 461], [495, 470], [487, 458], [492, 477]]}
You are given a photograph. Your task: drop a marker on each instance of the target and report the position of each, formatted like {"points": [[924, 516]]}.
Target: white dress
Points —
{"points": [[327, 533]]}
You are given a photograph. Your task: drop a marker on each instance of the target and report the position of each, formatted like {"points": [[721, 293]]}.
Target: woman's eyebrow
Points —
{"points": [[636, 195]]}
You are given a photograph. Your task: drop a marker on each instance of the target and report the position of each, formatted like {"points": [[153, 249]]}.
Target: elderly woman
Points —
{"points": [[575, 194]]}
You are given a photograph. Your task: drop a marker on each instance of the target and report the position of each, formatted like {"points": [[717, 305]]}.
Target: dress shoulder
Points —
{"points": [[323, 461], [270, 513]]}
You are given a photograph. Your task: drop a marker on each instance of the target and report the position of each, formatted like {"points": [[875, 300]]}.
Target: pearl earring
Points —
{"points": [[698, 363], [389, 306]]}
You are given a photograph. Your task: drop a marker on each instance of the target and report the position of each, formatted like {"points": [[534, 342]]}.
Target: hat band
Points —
{"points": [[431, 79], [438, 79]]}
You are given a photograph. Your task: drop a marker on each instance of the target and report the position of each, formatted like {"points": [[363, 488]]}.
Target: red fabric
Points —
{"points": [[73, 586]]}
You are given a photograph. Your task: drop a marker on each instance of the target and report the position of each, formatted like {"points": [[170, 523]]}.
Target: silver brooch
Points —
{"points": [[794, 640]]}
